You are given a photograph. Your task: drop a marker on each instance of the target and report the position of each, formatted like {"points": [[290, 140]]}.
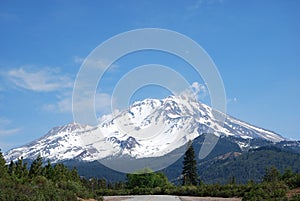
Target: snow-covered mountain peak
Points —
{"points": [[148, 128], [70, 127]]}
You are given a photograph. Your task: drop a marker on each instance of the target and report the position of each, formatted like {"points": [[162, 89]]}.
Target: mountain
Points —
{"points": [[228, 160], [148, 130], [248, 165]]}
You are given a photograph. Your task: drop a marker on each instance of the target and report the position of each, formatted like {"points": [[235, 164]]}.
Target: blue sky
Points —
{"points": [[254, 44]]}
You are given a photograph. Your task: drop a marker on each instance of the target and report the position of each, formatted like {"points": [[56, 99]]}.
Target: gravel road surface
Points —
{"points": [[165, 198]]}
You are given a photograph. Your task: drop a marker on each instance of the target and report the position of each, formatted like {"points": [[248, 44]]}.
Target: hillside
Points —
{"points": [[248, 166]]}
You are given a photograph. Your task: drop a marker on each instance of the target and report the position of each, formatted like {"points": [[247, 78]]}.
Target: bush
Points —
{"points": [[267, 191], [295, 198], [41, 183]]}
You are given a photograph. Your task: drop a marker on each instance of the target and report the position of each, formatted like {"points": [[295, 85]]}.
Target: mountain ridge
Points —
{"points": [[173, 120]]}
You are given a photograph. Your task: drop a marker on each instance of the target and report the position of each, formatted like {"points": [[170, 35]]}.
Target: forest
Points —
{"points": [[43, 182]]}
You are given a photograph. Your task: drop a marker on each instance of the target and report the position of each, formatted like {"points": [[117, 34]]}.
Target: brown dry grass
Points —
{"points": [[293, 192]]}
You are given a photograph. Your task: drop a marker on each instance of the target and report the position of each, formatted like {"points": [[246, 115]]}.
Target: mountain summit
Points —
{"points": [[147, 129]]}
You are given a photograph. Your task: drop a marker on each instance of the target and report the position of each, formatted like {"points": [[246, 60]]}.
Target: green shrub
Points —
{"points": [[295, 198]]}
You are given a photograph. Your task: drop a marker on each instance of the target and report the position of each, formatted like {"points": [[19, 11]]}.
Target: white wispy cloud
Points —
{"points": [[39, 79], [64, 104], [195, 90], [5, 146], [103, 102], [52, 80], [43, 79], [96, 63], [199, 88], [4, 130]]}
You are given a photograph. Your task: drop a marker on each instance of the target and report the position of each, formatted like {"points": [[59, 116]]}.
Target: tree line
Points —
{"points": [[18, 181], [40, 182], [273, 186]]}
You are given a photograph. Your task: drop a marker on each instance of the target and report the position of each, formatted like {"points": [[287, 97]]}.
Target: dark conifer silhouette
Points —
{"points": [[189, 171]]}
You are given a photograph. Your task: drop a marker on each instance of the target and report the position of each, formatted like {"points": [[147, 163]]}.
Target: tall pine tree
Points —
{"points": [[189, 171], [3, 168], [21, 171], [36, 167]]}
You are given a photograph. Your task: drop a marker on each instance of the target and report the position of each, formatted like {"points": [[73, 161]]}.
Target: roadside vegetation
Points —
{"points": [[273, 185], [39, 182], [57, 182]]}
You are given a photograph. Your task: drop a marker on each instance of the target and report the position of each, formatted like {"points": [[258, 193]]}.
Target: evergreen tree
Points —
{"points": [[102, 184], [271, 175], [48, 170], [74, 174], [11, 168], [232, 180], [43, 183], [189, 171], [60, 172], [36, 167], [21, 171], [3, 168]]}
